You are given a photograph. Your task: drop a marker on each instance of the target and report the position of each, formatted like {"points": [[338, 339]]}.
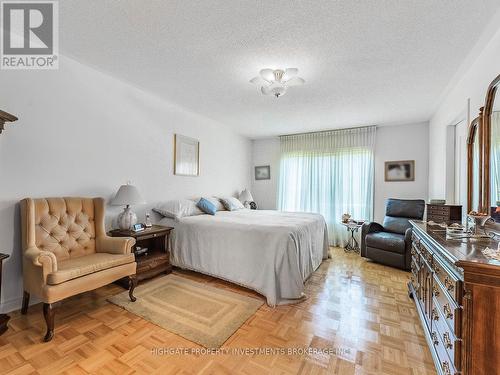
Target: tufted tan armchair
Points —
{"points": [[66, 252]]}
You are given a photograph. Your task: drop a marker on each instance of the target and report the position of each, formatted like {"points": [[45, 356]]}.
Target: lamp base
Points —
{"points": [[126, 219]]}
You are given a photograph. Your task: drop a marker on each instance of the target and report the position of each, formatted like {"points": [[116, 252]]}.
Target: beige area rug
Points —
{"points": [[197, 312]]}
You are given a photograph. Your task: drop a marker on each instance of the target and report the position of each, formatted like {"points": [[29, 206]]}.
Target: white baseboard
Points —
{"points": [[16, 303]]}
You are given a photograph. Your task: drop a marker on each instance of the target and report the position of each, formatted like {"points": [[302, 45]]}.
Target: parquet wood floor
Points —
{"points": [[355, 306]]}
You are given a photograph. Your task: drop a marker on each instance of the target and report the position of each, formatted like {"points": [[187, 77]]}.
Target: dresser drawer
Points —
{"points": [[415, 239], [451, 343], [450, 311], [437, 218], [440, 210], [414, 250], [445, 363], [448, 282], [426, 254], [415, 273]]}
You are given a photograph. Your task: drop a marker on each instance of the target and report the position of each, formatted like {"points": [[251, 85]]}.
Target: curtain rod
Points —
{"points": [[328, 131]]}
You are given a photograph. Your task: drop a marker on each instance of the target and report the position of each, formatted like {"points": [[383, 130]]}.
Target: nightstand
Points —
{"points": [[156, 259]]}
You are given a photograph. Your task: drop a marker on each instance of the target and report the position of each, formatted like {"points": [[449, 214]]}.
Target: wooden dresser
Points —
{"points": [[444, 213], [457, 294]]}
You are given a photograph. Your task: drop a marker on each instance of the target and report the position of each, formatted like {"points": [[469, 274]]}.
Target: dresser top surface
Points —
{"points": [[457, 250]]}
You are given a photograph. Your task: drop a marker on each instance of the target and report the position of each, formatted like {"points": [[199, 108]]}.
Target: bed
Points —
{"points": [[270, 252]]}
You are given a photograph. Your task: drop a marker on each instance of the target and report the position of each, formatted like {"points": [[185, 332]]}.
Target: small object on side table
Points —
{"points": [[156, 259], [148, 223], [346, 218], [352, 242], [4, 318]]}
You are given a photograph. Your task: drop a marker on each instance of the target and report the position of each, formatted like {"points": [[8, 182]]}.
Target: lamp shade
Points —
{"points": [[127, 195], [245, 196]]}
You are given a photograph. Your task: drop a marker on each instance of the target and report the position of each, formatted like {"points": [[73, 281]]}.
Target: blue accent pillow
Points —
{"points": [[206, 206]]}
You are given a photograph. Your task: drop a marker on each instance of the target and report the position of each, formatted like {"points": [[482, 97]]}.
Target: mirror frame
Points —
{"points": [[488, 110], [475, 130]]}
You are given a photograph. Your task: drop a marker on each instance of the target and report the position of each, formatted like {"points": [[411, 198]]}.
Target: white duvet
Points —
{"points": [[270, 252]]}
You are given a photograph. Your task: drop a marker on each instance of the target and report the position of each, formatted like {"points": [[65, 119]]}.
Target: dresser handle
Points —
{"points": [[435, 315], [447, 312], [446, 368], [435, 291], [435, 340], [447, 341], [448, 284], [437, 271]]}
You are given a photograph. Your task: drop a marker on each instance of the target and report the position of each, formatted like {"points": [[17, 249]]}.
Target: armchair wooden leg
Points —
{"points": [[48, 313], [4, 319], [132, 283], [26, 303]]}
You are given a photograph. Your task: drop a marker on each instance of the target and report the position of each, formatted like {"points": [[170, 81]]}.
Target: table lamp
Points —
{"points": [[246, 198], [127, 195]]}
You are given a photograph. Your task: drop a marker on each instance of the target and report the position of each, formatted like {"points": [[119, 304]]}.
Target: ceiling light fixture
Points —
{"points": [[277, 81]]}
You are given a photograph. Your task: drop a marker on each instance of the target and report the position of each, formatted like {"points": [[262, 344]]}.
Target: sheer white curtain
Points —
{"points": [[330, 173]]}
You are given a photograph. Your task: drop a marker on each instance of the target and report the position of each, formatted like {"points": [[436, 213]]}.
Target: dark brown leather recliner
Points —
{"points": [[390, 243]]}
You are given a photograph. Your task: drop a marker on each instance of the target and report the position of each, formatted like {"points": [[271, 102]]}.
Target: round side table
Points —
{"points": [[352, 243]]}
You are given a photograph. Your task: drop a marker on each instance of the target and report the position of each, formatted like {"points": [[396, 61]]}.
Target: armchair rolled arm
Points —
{"points": [[367, 228], [372, 227], [408, 233], [40, 258], [114, 245]]}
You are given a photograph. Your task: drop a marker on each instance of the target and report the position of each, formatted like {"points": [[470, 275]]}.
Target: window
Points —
{"points": [[329, 176]]}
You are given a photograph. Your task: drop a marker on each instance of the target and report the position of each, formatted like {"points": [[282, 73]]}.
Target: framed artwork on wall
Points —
{"points": [[186, 156], [400, 170], [263, 172]]}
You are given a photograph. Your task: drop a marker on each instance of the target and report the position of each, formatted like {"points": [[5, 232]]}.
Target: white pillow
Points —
{"points": [[232, 204], [178, 208]]}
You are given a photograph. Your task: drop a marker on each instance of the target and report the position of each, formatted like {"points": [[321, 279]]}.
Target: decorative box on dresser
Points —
{"points": [[444, 213], [456, 290]]}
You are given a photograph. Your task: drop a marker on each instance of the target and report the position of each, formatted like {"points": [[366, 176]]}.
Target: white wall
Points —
{"points": [[266, 152], [471, 82], [81, 132], [401, 142]]}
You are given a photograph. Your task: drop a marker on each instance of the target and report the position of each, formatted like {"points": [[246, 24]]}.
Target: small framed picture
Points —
{"points": [[401, 170], [263, 172], [186, 156]]}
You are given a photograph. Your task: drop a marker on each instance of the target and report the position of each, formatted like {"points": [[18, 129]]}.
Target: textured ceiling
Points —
{"points": [[365, 62]]}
